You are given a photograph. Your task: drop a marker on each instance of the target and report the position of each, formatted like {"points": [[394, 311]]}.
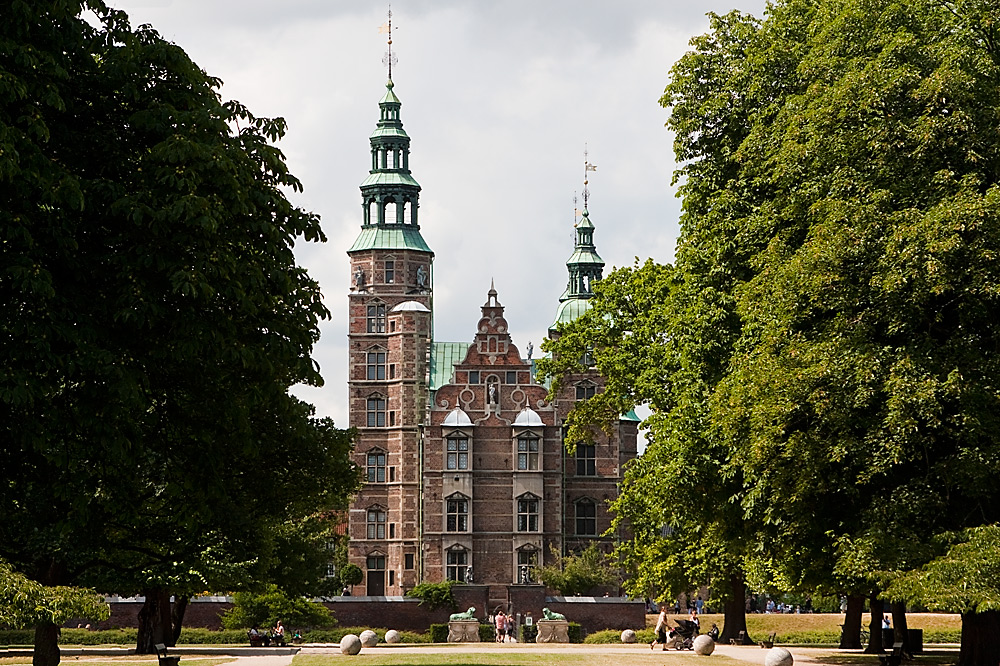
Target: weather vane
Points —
{"points": [[587, 167], [388, 59]]}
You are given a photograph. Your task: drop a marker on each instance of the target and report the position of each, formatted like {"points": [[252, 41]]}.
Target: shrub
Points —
{"points": [[438, 633], [101, 637], [487, 633], [334, 635], [264, 609], [435, 595], [199, 636]]}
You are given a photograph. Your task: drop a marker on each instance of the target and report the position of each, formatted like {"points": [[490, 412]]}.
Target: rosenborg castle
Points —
{"points": [[466, 476]]}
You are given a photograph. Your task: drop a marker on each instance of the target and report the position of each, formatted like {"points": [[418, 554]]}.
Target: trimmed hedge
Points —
{"points": [[335, 635]]}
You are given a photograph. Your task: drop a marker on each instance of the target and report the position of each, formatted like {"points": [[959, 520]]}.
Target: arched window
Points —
{"points": [[527, 513], [375, 363], [586, 517], [457, 508], [376, 466], [457, 456], [457, 564], [527, 451], [376, 411], [376, 318], [375, 523]]}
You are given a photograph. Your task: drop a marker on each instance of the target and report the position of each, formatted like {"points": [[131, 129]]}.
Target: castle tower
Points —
{"points": [[391, 299]]}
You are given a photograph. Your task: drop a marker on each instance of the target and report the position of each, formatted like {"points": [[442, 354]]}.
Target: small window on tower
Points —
{"points": [[408, 561], [390, 272], [511, 377], [473, 376]]}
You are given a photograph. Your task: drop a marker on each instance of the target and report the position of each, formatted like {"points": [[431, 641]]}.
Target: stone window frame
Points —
{"points": [[376, 519], [458, 516], [375, 316], [585, 390], [532, 457], [457, 563], [527, 520], [376, 407], [527, 560], [372, 367], [377, 467], [585, 525], [389, 270], [457, 436]]}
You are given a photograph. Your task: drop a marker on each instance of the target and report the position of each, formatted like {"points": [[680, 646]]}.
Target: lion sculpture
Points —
{"points": [[467, 615], [549, 615]]}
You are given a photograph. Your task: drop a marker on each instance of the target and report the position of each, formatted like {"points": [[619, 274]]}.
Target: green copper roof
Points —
{"points": [[444, 356], [389, 97], [569, 310], [583, 255], [585, 222], [390, 178], [390, 237], [631, 416]]}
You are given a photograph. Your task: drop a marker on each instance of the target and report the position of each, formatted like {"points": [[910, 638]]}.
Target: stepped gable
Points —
{"points": [[493, 379]]}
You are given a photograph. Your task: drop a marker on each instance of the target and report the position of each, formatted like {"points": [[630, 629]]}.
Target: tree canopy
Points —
{"points": [[153, 318], [823, 377]]}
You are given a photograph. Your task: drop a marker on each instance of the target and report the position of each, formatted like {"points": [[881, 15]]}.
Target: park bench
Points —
{"points": [[739, 639], [769, 643], [893, 658], [161, 656]]}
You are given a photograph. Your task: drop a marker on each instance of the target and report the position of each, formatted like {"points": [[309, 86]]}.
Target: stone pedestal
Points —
{"points": [[463, 631], [552, 631]]}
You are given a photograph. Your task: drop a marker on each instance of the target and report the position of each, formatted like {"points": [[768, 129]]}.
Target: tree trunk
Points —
{"points": [[980, 639], [850, 637], [899, 627], [154, 621], [177, 617], [46, 645], [877, 607], [735, 612]]}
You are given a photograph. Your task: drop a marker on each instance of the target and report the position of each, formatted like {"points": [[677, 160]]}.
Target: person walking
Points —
{"points": [[501, 626], [661, 629]]}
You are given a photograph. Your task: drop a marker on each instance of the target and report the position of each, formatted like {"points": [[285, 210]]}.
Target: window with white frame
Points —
{"points": [[457, 513], [457, 564], [527, 451], [376, 466], [376, 411], [376, 364], [375, 523], [458, 451], [527, 513], [376, 318]]}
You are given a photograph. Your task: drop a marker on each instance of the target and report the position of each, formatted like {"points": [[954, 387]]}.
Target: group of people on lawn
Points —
{"points": [[275, 636]]}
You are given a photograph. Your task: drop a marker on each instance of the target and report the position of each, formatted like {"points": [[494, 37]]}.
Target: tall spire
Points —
{"points": [[390, 195], [585, 266]]}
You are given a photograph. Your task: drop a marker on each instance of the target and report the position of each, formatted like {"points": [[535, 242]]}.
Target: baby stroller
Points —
{"points": [[687, 630]]}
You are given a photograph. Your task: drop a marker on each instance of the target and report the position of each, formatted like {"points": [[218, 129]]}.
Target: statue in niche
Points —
{"points": [[359, 278], [491, 393], [421, 277]]}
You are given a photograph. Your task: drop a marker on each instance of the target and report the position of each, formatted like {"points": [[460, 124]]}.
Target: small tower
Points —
{"points": [[389, 336]]}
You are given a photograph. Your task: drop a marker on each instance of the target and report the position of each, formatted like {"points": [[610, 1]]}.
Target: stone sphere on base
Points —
{"points": [[704, 645], [368, 638], [778, 656], [350, 644], [628, 636], [392, 636]]}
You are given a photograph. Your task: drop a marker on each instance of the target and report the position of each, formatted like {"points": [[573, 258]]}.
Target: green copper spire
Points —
{"points": [[390, 195], [585, 265]]}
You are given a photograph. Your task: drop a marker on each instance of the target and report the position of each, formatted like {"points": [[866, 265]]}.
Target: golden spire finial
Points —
{"points": [[386, 28]]}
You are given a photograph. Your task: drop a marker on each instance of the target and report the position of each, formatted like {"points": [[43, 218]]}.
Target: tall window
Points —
{"points": [[376, 365], [458, 514], [585, 390], [527, 560], [458, 561], [527, 513], [527, 451], [376, 411], [376, 466], [586, 517], [376, 523], [458, 451], [586, 460], [390, 272], [376, 318]]}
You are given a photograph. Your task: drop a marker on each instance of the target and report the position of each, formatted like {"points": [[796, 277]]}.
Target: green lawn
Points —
{"points": [[507, 657], [132, 660]]}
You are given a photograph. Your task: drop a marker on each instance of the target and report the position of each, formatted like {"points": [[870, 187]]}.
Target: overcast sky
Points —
{"points": [[499, 99]]}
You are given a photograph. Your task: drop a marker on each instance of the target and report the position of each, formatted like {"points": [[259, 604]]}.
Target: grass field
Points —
{"points": [[131, 660], [505, 657]]}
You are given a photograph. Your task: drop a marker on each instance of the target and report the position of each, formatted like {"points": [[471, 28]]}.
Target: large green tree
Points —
{"points": [[153, 319]]}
